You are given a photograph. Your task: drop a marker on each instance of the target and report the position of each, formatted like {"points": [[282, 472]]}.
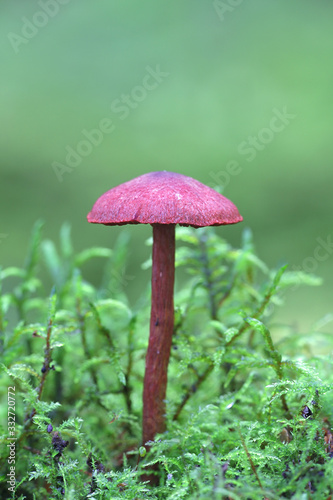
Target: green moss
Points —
{"points": [[248, 417]]}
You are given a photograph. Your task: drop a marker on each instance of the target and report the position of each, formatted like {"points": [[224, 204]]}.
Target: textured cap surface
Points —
{"points": [[164, 198]]}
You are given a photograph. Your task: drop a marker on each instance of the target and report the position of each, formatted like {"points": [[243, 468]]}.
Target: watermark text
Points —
{"points": [[11, 424], [122, 107]]}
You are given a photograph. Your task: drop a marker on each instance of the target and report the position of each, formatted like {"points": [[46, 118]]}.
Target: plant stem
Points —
{"points": [[127, 388], [82, 327], [161, 331], [47, 360], [208, 276], [45, 370], [261, 308], [191, 390], [249, 457]]}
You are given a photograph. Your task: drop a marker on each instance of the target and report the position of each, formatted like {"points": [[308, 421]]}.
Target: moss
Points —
{"points": [[247, 416]]}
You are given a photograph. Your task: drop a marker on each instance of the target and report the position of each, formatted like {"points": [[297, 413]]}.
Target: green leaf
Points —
{"points": [[65, 241], [19, 330], [52, 260], [297, 278], [52, 304], [33, 251], [113, 312], [91, 253], [218, 326], [186, 235], [277, 278], [12, 272], [36, 303], [31, 285], [276, 356]]}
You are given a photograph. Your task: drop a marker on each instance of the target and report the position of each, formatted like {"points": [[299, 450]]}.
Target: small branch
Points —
{"points": [[47, 360], [260, 310], [82, 327], [208, 277], [86, 351], [45, 370], [191, 390], [249, 457], [275, 356], [227, 292], [102, 328], [286, 407], [127, 390]]}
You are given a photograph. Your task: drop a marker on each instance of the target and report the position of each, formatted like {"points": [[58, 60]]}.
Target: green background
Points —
{"points": [[228, 70]]}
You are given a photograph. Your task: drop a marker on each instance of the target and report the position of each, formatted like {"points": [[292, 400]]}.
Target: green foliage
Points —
{"points": [[248, 415]]}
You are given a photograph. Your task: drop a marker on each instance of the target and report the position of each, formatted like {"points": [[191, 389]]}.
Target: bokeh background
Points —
{"points": [[188, 86]]}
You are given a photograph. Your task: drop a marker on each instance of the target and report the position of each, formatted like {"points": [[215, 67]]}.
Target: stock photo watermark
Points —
{"points": [[225, 7], [122, 108], [322, 252], [11, 424], [47, 10], [252, 145], [309, 265]]}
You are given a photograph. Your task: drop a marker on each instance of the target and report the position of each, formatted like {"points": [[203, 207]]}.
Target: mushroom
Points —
{"points": [[162, 199]]}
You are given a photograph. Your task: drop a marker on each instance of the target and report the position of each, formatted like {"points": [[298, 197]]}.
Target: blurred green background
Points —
{"points": [[187, 86]]}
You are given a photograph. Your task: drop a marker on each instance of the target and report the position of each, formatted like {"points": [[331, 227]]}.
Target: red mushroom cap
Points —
{"points": [[164, 198]]}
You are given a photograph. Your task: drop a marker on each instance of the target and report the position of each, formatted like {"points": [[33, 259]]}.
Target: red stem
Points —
{"points": [[161, 330]]}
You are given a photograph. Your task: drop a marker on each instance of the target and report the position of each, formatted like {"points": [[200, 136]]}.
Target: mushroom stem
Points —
{"points": [[161, 330]]}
